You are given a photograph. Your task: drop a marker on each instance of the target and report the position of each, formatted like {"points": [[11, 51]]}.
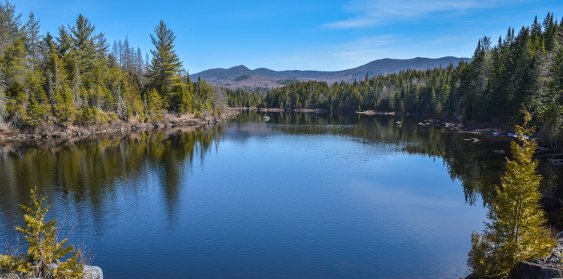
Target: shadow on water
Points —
{"points": [[87, 172], [477, 164]]}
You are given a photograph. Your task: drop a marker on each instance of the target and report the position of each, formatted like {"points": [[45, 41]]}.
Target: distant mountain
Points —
{"points": [[241, 76]]}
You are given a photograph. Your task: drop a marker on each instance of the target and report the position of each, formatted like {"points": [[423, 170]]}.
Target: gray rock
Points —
{"points": [[529, 270], [473, 140], [58, 135], [9, 276], [90, 272], [93, 272]]}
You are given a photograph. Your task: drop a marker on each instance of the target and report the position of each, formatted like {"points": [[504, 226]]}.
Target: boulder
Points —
{"points": [[473, 140], [529, 270], [9, 276], [59, 135], [93, 272]]}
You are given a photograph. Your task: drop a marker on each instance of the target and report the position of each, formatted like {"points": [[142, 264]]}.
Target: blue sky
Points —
{"points": [[299, 34]]}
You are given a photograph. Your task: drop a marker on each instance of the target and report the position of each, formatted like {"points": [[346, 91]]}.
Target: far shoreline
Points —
{"points": [[10, 136]]}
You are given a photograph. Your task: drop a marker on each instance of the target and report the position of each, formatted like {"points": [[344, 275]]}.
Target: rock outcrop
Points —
{"points": [[530, 270], [90, 272], [546, 267]]}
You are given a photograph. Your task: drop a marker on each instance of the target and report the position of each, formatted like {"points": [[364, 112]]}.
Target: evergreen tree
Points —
{"points": [[10, 25], [83, 43], [45, 254], [164, 71], [64, 41], [33, 39], [516, 230], [153, 105], [58, 87], [3, 113]]}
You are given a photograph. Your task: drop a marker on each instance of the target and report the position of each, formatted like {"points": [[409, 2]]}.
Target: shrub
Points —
{"points": [[46, 257]]}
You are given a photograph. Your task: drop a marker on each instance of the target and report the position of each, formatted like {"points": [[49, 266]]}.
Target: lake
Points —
{"points": [[299, 196]]}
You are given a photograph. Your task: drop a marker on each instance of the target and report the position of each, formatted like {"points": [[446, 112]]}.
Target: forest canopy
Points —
{"points": [[71, 77]]}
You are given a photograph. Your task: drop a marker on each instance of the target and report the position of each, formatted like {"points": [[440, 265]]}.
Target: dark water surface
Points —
{"points": [[300, 196]]}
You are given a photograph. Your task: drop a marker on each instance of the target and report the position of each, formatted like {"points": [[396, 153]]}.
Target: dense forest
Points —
{"points": [[521, 69], [72, 78]]}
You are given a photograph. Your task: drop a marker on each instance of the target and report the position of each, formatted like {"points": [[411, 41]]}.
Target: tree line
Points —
{"points": [[72, 78], [520, 69]]}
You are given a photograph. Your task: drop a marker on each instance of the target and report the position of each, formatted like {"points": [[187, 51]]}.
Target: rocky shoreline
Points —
{"points": [[302, 110], [10, 136], [90, 272], [373, 112], [547, 267], [553, 156]]}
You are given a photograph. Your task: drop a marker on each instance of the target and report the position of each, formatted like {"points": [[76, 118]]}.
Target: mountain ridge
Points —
{"points": [[242, 77]]}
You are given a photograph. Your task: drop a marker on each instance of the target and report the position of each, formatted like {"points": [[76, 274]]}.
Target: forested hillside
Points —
{"points": [[522, 69], [70, 77], [242, 77]]}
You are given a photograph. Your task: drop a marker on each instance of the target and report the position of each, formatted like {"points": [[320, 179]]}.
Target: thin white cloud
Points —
{"points": [[366, 13], [340, 56], [364, 49], [354, 53]]}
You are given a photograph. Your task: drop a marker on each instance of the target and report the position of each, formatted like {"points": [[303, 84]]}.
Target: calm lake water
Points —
{"points": [[300, 196]]}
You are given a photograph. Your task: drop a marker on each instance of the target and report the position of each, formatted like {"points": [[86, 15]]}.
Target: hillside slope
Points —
{"points": [[241, 76]]}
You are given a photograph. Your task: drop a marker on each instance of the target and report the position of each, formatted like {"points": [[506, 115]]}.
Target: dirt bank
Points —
{"points": [[10, 135]]}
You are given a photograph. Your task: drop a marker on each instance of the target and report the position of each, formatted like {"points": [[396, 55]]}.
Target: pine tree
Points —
{"points": [[10, 25], [101, 45], [153, 105], [45, 254], [127, 55], [164, 71], [83, 43], [15, 71], [516, 229], [33, 39], [139, 62], [64, 41], [59, 89], [3, 113]]}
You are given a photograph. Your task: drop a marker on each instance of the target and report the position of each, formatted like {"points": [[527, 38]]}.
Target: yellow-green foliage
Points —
{"points": [[16, 105], [59, 81], [46, 256], [154, 105], [87, 115], [36, 113], [516, 231], [5, 262]]}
